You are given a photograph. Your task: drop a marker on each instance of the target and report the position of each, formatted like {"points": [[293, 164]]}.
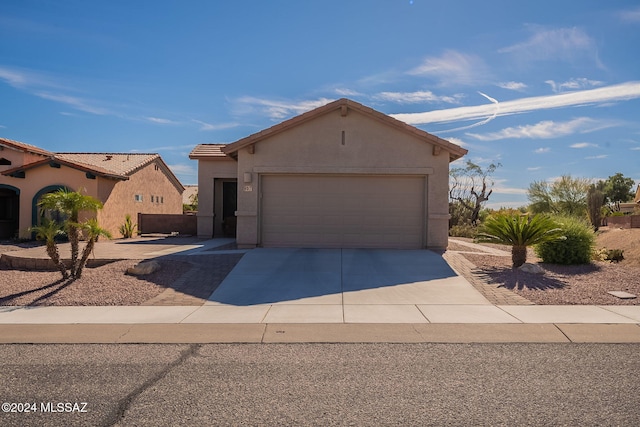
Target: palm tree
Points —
{"points": [[71, 203], [92, 231], [519, 231], [48, 231]]}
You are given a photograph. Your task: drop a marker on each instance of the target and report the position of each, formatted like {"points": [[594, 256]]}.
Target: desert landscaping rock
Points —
{"points": [[144, 268], [622, 294], [531, 268]]}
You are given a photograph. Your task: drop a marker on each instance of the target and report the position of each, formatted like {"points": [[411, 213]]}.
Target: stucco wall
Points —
{"points": [[43, 177], [209, 170], [369, 146], [17, 158], [119, 197]]}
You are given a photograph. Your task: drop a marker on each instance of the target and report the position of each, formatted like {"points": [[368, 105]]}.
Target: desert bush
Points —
{"points": [[128, 229], [519, 231], [464, 230], [576, 248], [604, 254]]}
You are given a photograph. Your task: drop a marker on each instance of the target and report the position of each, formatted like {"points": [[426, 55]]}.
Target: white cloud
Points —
{"points": [[416, 97], [632, 15], [451, 67], [209, 126], [508, 190], [583, 145], [534, 168], [512, 85], [620, 92], [559, 43], [279, 109], [183, 169], [573, 84], [635, 148], [161, 121], [346, 92], [601, 156], [73, 101], [544, 130], [542, 150], [458, 141]]}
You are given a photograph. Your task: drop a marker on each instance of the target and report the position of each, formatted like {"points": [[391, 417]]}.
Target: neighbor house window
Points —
{"points": [[151, 198], [138, 197]]}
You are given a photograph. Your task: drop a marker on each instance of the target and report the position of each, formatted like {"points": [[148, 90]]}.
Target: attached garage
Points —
{"points": [[342, 176], [343, 211]]}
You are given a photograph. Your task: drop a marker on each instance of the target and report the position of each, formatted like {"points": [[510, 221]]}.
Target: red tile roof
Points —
{"points": [[207, 151], [25, 148]]}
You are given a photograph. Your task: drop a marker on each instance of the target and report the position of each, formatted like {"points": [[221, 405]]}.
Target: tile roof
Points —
{"points": [[207, 150], [455, 151], [123, 164], [21, 146]]}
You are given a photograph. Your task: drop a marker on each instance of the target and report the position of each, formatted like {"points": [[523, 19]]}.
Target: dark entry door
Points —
{"points": [[9, 211], [229, 207]]}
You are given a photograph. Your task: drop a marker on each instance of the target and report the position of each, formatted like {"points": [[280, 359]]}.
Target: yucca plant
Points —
{"points": [[128, 228], [519, 231]]}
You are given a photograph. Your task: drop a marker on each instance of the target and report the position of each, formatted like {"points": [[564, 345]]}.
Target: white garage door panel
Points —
{"points": [[342, 211]]}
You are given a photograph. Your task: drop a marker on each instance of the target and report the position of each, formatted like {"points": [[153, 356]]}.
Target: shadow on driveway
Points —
{"points": [[272, 275]]}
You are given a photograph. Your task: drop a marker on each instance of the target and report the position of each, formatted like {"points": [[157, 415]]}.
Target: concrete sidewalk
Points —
{"points": [[338, 323], [355, 314]]}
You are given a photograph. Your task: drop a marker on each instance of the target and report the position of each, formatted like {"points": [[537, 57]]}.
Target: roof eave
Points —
{"points": [[455, 151]]}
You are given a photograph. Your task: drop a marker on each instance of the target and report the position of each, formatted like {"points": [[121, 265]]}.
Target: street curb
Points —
{"points": [[317, 333]]}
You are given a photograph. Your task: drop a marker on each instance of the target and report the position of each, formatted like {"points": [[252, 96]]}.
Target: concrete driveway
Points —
{"points": [[375, 283]]}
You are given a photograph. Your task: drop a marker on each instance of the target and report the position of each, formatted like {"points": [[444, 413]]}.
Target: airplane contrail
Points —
{"points": [[620, 92]]}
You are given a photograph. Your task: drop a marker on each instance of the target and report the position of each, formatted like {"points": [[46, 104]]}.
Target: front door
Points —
{"points": [[9, 213], [229, 207]]}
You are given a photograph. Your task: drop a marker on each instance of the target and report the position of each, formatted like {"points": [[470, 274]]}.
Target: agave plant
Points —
{"points": [[48, 231], [519, 231]]}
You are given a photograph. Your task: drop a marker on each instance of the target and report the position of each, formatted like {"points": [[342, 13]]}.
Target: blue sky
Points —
{"points": [[546, 88]]}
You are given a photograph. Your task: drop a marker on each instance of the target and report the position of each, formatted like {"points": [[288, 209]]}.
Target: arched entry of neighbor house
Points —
{"points": [[36, 213], [9, 211]]}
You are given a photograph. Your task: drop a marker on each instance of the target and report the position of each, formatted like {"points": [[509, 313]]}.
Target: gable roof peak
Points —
{"points": [[344, 104]]}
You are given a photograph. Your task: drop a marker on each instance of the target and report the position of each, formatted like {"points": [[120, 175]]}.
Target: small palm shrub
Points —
{"points": [[519, 231], [577, 248], [128, 228]]}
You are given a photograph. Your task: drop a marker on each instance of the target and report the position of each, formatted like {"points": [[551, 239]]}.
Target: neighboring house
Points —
{"points": [[342, 175], [126, 183], [190, 193]]}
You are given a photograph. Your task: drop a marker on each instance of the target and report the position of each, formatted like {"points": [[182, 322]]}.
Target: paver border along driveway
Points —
{"points": [[286, 276]]}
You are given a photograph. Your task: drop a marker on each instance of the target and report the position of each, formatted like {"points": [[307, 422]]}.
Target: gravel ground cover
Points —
{"points": [[104, 285], [564, 284]]}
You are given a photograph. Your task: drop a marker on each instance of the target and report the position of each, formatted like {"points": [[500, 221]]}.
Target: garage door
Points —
{"points": [[342, 211]]}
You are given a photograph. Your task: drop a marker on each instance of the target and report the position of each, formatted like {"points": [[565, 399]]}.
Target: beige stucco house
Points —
{"points": [[342, 175], [126, 183]]}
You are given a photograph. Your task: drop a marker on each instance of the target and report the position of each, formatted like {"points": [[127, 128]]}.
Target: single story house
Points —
{"points": [[126, 183], [340, 176]]}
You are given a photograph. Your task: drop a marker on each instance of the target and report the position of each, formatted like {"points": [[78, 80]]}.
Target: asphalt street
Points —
{"points": [[320, 384]]}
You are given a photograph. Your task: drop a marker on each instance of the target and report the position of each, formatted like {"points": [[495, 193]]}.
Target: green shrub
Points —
{"points": [[465, 230], [611, 255], [128, 229], [577, 248]]}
